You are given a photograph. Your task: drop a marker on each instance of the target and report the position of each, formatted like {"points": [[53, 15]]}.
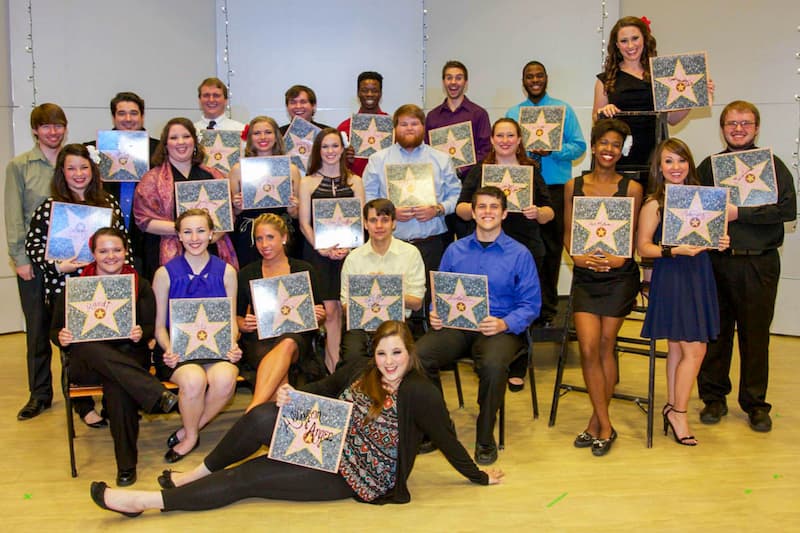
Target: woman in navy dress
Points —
{"points": [[683, 297]]}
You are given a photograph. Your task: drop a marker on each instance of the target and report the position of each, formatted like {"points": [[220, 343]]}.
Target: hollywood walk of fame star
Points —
{"points": [[204, 202], [370, 137], [301, 146], [411, 187], [218, 154], [79, 229], [680, 84], [100, 310], [309, 434], [268, 186], [453, 147], [601, 229], [747, 179], [510, 188], [287, 308], [461, 304], [375, 304], [539, 130], [120, 161], [339, 226], [695, 219], [201, 333]]}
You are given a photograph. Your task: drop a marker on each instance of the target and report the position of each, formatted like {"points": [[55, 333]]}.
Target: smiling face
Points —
{"points": [[77, 174], [534, 79], [331, 149], [608, 150], [369, 95], [109, 253], [180, 144], [505, 140], [674, 167], [488, 213], [195, 234], [392, 360], [212, 101], [630, 43], [409, 132], [262, 136], [739, 129], [454, 82], [128, 117], [301, 106], [50, 135], [269, 242]]}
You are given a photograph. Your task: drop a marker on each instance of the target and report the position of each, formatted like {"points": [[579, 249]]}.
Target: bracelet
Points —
{"points": [[666, 251]]}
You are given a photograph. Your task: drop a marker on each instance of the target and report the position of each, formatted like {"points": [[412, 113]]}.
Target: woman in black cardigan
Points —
{"points": [[390, 397]]}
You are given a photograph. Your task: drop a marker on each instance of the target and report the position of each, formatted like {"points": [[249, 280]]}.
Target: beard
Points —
{"points": [[410, 141]]}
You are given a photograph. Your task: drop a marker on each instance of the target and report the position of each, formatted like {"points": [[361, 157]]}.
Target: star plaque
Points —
{"points": [[516, 182], [337, 222], [200, 328], [212, 195], [542, 127], [70, 227], [223, 148], [283, 304], [310, 431], [460, 300], [602, 224], [410, 184], [370, 133], [124, 155], [694, 215], [100, 308], [299, 138], [749, 175], [374, 299], [457, 141], [266, 182], [680, 81]]}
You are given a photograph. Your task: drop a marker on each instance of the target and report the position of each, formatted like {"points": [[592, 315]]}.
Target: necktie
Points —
{"points": [[211, 124]]}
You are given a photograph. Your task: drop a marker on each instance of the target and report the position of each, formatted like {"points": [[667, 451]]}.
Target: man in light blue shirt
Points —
{"points": [[421, 225], [556, 170]]}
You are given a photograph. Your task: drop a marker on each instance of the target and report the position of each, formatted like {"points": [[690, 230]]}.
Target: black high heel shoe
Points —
{"points": [[668, 425], [666, 409]]}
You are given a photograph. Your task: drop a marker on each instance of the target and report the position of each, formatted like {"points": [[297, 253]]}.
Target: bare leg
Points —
{"points": [[610, 327], [333, 328], [273, 371], [674, 355], [132, 501], [692, 354], [191, 380], [588, 328], [182, 478], [221, 386]]}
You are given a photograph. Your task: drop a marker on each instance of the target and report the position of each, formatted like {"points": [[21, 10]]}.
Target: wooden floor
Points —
{"points": [[735, 480]]}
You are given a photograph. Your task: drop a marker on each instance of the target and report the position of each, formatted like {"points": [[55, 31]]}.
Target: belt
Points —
{"points": [[425, 239], [740, 251]]}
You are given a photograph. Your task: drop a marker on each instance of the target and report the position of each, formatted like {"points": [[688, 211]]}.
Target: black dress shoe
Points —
{"points": [[98, 492], [516, 387], [173, 439], [165, 480], [173, 457], [583, 440], [760, 420], [600, 447], [713, 412], [167, 402], [485, 455], [33, 408], [100, 424], [126, 478]]}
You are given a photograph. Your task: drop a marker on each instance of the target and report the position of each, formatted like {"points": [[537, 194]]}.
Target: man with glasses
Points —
{"points": [[747, 282]]}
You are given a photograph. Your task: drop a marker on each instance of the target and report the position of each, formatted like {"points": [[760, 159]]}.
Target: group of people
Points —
{"points": [[696, 296]]}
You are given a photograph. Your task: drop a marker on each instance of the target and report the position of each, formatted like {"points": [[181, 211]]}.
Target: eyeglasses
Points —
{"points": [[733, 124]]}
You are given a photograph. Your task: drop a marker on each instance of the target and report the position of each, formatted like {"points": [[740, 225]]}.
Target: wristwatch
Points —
{"points": [[439, 210]]}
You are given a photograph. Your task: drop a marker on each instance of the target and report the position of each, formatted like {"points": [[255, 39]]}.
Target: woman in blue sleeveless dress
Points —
{"points": [[683, 297]]}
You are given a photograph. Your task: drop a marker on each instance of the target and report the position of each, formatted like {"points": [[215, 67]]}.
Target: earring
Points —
{"points": [[284, 243]]}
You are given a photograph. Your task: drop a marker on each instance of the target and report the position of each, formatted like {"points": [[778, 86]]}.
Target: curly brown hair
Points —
{"points": [[160, 155], [92, 195]]}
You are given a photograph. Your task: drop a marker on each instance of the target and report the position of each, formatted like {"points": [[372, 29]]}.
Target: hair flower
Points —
{"points": [[245, 131], [647, 22], [94, 155]]}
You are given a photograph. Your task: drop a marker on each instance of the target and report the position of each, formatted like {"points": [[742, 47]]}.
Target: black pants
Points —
{"points": [[260, 477], [37, 336], [492, 356], [355, 345], [746, 289], [550, 266], [127, 385]]}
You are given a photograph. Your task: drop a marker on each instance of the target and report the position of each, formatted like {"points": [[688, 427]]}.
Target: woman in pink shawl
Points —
{"points": [[178, 157]]}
